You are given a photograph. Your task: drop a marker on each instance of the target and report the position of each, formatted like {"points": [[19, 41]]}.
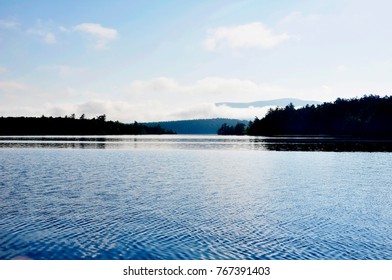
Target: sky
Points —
{"points": [[172, 60]]}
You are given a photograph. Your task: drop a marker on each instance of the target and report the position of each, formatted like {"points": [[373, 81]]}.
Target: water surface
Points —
{"points": [[335, 144], [203, 197]]}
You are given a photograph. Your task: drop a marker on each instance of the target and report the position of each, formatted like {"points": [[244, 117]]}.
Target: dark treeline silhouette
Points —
{"points": [[369, 116], [69, 125], [197, 126], [238, 129]]}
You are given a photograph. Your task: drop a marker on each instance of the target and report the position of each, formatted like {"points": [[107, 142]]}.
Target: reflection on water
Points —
{"points": [[203, 142], [192, 197], [194, 204]]}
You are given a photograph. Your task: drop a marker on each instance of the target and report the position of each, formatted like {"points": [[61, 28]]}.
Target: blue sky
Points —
{"points": [[168, 60]]}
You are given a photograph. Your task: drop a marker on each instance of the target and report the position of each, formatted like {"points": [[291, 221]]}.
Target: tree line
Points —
{"points": [[368, 117], [70, 125], [238, 129], [197, 126]]}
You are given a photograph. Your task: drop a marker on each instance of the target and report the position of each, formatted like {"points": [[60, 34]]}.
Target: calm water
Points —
{"points": [[188, 197]]}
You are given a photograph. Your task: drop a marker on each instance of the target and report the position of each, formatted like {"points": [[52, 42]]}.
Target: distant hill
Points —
{"points": [[203, 126], [275, 102]]}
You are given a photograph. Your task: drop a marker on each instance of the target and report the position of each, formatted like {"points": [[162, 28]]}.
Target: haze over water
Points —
{"points": [[203, 197]]}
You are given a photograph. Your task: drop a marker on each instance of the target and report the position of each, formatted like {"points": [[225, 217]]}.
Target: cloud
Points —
{"points": [[220, 87], [46, 36], [48, 32], [209, 89], [114, 110], [341, 68], [159, 84], [156, 99], [164, 98], [11, 86], [64, 29], [299, 18], [147, 112], [45, 30], [63, 71], [9, 24], [101, 35], [160, 98], [252, 35], [211, 110]]}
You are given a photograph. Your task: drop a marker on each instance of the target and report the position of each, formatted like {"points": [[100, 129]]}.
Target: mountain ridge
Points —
{"points": [[281, 102]]}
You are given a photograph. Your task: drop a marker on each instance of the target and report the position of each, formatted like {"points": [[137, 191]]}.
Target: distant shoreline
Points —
{"points": [[73, 126]]}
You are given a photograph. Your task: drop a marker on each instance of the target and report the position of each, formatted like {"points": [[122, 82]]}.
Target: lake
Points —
{"points": [[194, 197]]}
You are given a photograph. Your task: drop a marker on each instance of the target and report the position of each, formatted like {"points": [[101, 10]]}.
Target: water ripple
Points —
{"points": [[175, 204]]}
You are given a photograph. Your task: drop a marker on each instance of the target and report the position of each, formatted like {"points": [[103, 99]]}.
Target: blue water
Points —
{"points": [[197, 198]]}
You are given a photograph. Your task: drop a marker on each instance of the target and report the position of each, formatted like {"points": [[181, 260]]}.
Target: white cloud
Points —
{"points": [[149, 111], [222, 86], [11, 86], [159, 84], [67, 71], [341, 68], [64, 29], [299, 18], [166, 99], [43, 30], [301, 26], [102, 35], [46, 36], [209, 89], [114, 110], [252, 35], [156, 99], [9, 24], [63, 71], [49, 38], [210, 110]]}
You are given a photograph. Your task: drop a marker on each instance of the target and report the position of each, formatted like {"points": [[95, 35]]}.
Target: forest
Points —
{"points": [[70, 125], [366, 117], [238, 129], [198, 126]]}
